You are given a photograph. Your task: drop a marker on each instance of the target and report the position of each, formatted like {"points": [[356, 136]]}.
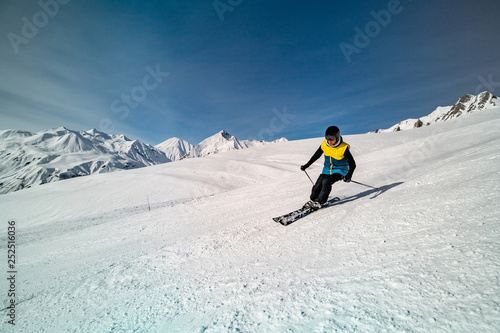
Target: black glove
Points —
{"points": [[304, 167], [347, 178]]}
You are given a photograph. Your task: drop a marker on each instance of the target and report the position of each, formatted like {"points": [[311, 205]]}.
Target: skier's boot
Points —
{"points": [[312, 205], [316, 205], [308, 205]]}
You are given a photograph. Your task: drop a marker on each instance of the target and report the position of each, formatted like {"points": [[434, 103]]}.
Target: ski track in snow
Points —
{"points": [[423, 256]]}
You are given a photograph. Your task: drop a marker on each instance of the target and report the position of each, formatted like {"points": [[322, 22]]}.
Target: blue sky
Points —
{"points": [[259, 69]]}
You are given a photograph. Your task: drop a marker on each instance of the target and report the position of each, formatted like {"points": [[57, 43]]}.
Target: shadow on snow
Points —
{"points": [[374, 192]]}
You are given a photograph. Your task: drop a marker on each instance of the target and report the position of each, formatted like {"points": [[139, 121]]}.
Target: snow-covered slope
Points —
{"points": [[222, 142], [29, 159], [175, 148], [466, 104], [421, 255]]}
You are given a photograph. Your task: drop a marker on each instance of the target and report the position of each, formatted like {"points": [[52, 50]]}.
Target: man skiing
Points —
{"points": [[339, 164]]}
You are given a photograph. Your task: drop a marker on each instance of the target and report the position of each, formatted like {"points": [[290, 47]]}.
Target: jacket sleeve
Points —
{"points": [[315, 157], [350, 160]]}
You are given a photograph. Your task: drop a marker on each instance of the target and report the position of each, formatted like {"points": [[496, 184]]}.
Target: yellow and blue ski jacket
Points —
{"points": [[335, 161], [338, 159]]}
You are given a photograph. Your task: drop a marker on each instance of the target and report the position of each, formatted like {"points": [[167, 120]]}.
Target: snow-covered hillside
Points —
{"points": [[466, 104], [29, 159], [420, 255]]}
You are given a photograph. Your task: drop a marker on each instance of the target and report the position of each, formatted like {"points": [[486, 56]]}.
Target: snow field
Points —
{"points": [[422, 255]]}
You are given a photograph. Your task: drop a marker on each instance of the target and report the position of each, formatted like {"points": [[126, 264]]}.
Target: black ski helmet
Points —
{"points": [[333, 131]]}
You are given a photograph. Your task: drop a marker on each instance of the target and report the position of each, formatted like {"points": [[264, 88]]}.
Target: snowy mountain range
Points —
{"points": [[466, 104], [177, 149], [29, 159], [56, 154]]}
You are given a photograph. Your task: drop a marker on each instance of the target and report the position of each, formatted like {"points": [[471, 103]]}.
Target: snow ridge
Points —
{"points": [[466, 104]]}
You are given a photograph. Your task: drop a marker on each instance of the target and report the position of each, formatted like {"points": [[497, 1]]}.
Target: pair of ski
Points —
{"points": [[302, 212]]}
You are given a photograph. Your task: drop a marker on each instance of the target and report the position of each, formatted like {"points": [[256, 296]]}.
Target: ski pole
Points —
{"points": [[376, 188], [309, 177]]}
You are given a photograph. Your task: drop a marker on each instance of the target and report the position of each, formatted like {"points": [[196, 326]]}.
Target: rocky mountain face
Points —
{"points": [[466, 104], [470, 103]]}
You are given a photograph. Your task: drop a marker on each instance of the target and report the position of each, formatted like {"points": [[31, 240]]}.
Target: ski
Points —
{"points": [[300, 213]]}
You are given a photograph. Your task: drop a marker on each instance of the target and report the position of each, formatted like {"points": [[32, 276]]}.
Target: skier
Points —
{"points": [[339, 165]]}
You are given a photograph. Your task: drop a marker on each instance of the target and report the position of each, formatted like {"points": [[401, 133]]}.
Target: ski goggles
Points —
{"points": [[331, 137]]}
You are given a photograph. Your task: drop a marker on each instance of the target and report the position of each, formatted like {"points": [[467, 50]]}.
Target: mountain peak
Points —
{"points": [[59, 129], [174, 148], [465, 104], [225, 134], [94, 132]]}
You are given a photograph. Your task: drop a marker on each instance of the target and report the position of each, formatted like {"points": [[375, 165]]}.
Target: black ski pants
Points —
{"points": [[321, 190]]}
